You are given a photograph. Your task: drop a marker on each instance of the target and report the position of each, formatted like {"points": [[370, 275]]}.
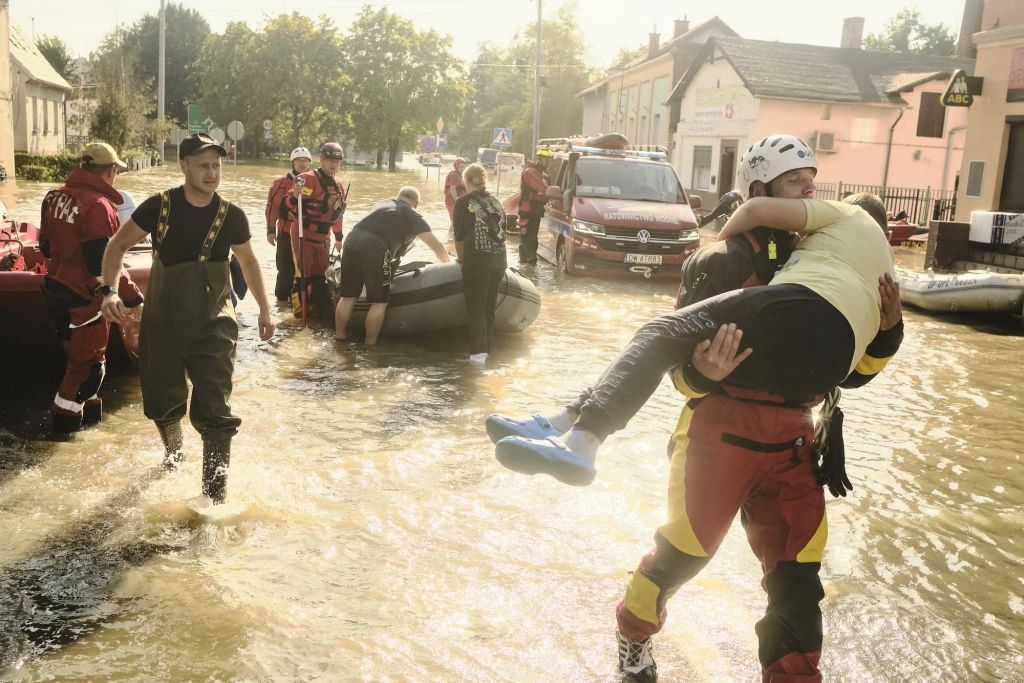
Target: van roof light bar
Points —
{"points": [[621, 153]]}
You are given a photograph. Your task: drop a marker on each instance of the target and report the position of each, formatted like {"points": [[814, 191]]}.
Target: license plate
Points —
{"points": [[646, 259]]}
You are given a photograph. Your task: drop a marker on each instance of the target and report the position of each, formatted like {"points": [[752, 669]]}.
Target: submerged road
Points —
{"points": [[371, 536]]}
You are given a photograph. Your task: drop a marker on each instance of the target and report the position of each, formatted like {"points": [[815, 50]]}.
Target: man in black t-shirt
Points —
{"points": [[188, 324], [372, 251]]}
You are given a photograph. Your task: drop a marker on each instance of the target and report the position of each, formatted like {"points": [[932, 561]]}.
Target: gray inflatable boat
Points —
{"points": [[428, 297]]}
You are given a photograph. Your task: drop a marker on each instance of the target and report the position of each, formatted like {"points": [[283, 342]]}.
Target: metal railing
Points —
{"points": [[921, 205]]}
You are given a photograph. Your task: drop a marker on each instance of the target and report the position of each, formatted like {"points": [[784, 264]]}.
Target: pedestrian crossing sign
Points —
{"points": [[502, 137]]}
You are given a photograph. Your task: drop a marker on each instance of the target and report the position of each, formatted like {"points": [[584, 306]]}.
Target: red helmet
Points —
{"points": [[332, 150], [460, 160]]}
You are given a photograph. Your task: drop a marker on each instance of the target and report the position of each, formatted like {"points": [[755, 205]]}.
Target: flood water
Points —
{"points": [[371, 535]]}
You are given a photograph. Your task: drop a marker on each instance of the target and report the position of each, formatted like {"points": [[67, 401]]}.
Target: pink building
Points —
{"points": [[874, 118]]}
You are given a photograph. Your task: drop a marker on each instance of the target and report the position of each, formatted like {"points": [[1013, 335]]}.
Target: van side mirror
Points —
{"points": [[695, 202], [554, 192]]}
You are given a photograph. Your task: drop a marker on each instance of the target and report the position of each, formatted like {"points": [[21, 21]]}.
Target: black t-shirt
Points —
{"points": [[478, 248], [395, 222], [189, 225]]}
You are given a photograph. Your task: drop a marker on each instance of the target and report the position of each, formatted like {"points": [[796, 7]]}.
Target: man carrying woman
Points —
{"points": [[479, 223]]}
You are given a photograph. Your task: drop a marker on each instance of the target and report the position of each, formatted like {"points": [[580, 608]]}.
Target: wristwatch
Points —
{"points": [[107, 290]]}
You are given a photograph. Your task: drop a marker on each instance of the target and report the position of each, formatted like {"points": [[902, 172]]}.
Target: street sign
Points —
{"points": [[218, 135], [442, 140], [268, 124], [440, 124], [268, 134], [502, 137], [198, 122], [236, 131], [427, 144], [957, 93]]}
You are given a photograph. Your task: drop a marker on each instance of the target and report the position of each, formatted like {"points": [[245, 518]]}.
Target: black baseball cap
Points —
{"points": [[196, 143]]}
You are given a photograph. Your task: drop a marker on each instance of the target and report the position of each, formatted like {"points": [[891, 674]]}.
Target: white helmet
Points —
{"points": [[776, 154], [126, 208], [300, 153]]}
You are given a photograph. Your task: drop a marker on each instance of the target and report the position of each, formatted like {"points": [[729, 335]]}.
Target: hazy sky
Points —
{"points": [[607, 24]]}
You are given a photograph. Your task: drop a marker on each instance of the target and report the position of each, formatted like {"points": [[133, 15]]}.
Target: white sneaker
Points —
{"points": [[480, 358], [636, 660]]}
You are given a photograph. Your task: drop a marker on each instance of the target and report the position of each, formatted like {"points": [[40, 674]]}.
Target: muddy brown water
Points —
{"points": [[371, 536]]}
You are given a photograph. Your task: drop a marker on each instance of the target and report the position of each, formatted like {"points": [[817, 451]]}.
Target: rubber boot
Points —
{"points": [[65, 423], [216, 457], [92, 413], [170, 433]]}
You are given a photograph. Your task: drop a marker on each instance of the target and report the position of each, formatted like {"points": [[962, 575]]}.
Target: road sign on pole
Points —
{"points": [[268, 134], [268, 124], [442, 141], [427, 144], [236, 131], [218, 135], [198, 122], [440, 124], [502, 137]]}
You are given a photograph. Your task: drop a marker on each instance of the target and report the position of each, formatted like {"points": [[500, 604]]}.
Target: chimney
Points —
{"points": [[681, 27], [853, 32], [971, 24], [654, 40]]}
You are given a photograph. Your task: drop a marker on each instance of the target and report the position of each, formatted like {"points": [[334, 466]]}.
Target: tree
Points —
{"points": [[907, 32], [627, 55], [503, 94], [122, 104], [403, 80], [58, 55], [304, 76], [186, 33]]}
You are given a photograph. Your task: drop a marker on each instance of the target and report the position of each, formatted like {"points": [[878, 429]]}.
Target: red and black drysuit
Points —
{"points": [[279, 222], [323, 212], [736, 449], [77, 222], [532, 198], [453, 189]]}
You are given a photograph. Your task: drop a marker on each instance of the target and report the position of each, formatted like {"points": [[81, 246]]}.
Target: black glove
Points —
{"points": [[832, 470]]}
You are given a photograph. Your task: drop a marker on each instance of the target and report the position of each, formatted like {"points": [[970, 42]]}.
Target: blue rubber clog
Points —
{"points": [[545, 456], [536, 427]]}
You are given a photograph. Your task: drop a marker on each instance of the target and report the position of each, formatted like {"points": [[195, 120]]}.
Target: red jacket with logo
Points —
{"points": [[279, 215], [85, 209], [323, 204]]}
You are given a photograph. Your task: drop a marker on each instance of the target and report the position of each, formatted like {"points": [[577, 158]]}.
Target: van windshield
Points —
{"points": [[626, 179], [487, 156]]}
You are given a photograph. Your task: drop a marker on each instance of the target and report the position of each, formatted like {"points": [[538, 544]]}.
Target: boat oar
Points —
{"points": [[302, 256]]}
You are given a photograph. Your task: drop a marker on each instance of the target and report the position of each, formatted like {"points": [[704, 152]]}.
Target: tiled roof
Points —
{"points": [[832, 74], [31, 61]]}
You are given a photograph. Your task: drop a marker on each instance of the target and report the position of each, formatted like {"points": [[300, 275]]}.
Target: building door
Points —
{"points": [[727, 166], [1012, 197]]}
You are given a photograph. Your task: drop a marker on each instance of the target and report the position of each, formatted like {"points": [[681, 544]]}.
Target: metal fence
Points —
{"points": [[921, 205]]}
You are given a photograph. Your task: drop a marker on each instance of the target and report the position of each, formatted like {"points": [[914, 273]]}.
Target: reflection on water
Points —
{"points": [[374, 537]]}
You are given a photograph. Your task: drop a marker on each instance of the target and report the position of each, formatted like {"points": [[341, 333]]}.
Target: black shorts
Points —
{"points": [[365, 260]]}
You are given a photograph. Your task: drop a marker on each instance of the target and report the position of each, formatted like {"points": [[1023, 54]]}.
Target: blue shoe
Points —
{"points": [[536, 427], [545, 456]]}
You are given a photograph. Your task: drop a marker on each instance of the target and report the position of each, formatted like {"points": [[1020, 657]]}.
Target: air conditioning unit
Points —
{"points": [[823, 141]]}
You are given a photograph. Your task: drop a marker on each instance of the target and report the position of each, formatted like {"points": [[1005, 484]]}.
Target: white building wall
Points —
{"points": [[594, 113], [39, 124]]}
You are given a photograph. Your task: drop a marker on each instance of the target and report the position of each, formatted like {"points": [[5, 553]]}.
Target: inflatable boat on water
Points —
{"points": [[975, 290], [428, 297]]}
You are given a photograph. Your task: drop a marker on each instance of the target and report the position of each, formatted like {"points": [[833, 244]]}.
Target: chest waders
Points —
{"points": [[189, 331]]}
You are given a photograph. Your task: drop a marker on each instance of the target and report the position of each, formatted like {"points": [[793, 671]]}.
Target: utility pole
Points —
{"points": [[162, 66], [536, 85]]}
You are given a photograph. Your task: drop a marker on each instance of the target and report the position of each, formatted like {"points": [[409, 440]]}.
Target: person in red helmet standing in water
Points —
{"points": [[453, 189], [280, 221], [323, 210], [77, 222]]}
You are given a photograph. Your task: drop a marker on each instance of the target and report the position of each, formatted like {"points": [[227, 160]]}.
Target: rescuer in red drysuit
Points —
{"points": [[453, 189], [532, 198], [280, 220]]}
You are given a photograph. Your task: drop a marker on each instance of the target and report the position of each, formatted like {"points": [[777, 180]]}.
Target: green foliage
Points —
{"points": [[45, 167], [185, 36], [58, 55], [907, 32], [627, 55], [122, 102], [503, 95], [402, 81]]}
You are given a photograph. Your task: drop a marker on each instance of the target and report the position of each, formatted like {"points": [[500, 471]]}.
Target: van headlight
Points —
{"points": [[585, 228], [688, 235]]}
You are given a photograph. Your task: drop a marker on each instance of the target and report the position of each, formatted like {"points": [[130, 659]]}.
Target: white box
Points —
{"points": [[997, 228]]}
